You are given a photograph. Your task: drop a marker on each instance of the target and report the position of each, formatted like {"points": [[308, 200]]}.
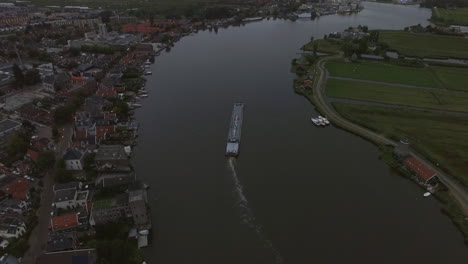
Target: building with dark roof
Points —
{"points": [[80, 256], [12, 225], [117, 179], [8, 128], [113, 155], [73, 158], [66, 186], [110, 210], [61, 242], [8, 259]]}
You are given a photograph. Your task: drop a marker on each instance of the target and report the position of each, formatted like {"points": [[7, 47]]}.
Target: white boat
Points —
{"points": [[315, 121], [144, 232], [137, 105], [148, 73], [426, 194], [143, 95]]}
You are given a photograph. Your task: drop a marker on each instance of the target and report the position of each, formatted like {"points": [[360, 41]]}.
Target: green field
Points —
{"points": [[384, 73], [431, 99], [425, 45], [452, 78], [440, 137], [324, 45], [458, 16]]}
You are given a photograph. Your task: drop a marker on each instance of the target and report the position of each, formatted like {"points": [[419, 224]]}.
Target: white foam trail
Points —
{"points": [[247, 215]]}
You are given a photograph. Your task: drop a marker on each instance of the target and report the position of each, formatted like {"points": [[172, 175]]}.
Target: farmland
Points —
{"points": [[425, 45]]}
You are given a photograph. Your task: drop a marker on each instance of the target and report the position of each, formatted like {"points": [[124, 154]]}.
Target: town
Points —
{"points": [[72, 78]]}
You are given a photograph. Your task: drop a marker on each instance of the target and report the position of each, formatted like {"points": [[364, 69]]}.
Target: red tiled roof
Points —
{"points": [[18, 189], [421, 170], [34, 155], [78, 79], [63, 222]]}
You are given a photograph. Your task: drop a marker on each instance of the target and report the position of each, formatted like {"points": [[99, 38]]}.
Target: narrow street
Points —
{"points": [[39, 235]]}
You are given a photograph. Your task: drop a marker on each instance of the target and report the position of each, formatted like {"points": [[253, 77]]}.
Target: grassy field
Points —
{"points": [[324, 45], [431, 99], [440, 137], [425, 45], [384, 73], [452, 78], [458, 16]]}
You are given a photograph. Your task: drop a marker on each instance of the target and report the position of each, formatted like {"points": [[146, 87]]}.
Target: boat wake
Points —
{"points": [[247, 214]]}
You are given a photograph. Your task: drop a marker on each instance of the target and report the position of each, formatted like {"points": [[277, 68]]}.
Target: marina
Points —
{"points": [[233, 142]]}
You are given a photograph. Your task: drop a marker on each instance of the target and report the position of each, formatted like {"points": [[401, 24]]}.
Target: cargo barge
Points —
{"points": [[235, 127]]}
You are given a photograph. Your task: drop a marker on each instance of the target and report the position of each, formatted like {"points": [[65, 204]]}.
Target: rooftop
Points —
{"points": [[111, 152], [64, 222], [419, 168], [64, 195], [74, 154], [8, 124], [81, 256]]}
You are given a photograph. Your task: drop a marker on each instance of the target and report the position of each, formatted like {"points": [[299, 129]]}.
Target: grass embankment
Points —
{"points": [[329, 46], [440, 137], [431, 99], [451, 77], [383, 72], [425, 45], [455, 16]]}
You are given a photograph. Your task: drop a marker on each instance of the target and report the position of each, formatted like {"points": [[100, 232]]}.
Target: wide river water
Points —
{"points": [[297, 193]]}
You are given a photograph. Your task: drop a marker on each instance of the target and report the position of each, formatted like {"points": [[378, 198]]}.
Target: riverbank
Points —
{"points": [[316, 95]]}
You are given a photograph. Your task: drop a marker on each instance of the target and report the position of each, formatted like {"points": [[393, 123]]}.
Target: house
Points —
{"points": [[80, 256], [13, 205], [110, 210], [8, 259], [71, 198], [32, 154], [112, 155], [67, 186], [8, 128], [48, 83], [73, 158], [137, 202], [12, 225], [61, 242], [18, 189], [64, 223], [425, 174], [62, 82], [115, 179]]}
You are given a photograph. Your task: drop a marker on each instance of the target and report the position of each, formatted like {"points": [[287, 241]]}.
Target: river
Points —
{"points": [[297, 193]]}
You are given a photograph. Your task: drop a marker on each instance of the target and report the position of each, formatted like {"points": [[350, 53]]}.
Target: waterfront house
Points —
{"points": [[425, 174], [137, 202], [110, 210], [111, 155]]}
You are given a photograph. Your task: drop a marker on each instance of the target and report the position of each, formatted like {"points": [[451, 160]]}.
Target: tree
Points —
{"points": [[120, 107], [315, 48], [45, 160], [19, 76], [55, 134], [63, 114], [17, 145], [32, 77]]}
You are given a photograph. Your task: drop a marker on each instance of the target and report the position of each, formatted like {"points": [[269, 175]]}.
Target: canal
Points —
{"points": [[297, 193]]}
